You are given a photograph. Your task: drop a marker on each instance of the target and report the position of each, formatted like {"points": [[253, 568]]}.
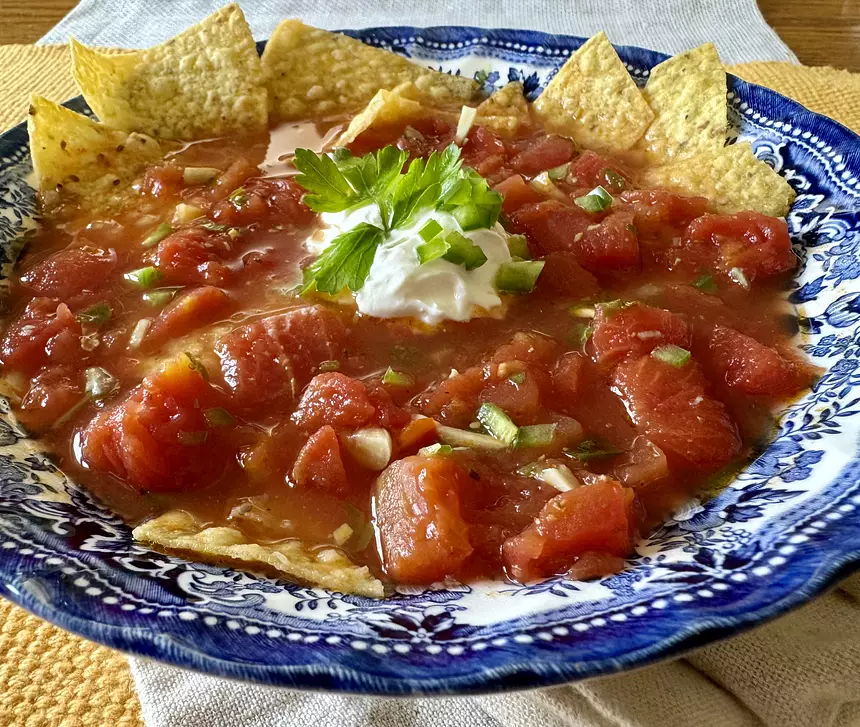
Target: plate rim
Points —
{"points": [[518, 672]]}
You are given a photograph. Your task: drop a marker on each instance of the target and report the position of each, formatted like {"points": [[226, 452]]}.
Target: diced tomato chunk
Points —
{"points": [[749, 366], [158, 438], [334, 399], [597, 517], [194, 255], [567, 378], [635, 331], [521, 397], [72, 274], [516, 193], [53, 392], [483, 145], [550, 226], [532, 348], [611, 244], [543, 152], [163, 181], [672, 407], [189, 311], [455, 400], [656, 209], [643, 463], [269, 360], [590, 170], [273, 201], [46, 332], [422, 534], [563, 276], [593, 564], [755, 243], [388, 414], [319, 463]]}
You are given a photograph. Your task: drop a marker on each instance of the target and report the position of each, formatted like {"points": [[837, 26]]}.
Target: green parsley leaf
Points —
{"points": [[591, 449], [96, 315], [706, 284], [345, 263]]}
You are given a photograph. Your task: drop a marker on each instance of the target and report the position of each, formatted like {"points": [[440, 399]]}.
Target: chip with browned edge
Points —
{"points": [[401, 104], [314, 73], [732, 178], [593, 100], [505, 111], [77, 158], [205, 82], [687, 94], [179, 532]]}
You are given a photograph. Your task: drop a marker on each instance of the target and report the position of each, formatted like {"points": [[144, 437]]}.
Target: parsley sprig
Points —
{"points": [[340, 181]]}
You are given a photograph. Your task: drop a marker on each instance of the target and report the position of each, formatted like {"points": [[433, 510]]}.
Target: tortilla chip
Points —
{"points": [[325, 567], [75, 157], [593, 100], [386, 107], [205, 82], [505, 111], [313, 73], [733, 179], [687, 94]]}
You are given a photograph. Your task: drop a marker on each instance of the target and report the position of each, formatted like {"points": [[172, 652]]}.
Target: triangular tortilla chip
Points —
{"points": [[325, 567], [75, 157], [732, 178], [386, 107], [205, 82], [593, 100], [687, 94], [313, 73], [505, 111]]}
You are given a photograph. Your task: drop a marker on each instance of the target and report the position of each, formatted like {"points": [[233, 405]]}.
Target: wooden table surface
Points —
{"points": [[820, 32]]}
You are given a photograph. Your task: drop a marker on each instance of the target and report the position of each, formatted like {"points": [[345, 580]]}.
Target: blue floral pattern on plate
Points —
{"points": [[784, 530]]}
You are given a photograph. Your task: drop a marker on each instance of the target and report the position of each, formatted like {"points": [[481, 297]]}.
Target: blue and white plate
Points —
{"points": [[785, 530]]}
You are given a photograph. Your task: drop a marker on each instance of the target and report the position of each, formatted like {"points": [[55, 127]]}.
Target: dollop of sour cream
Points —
{"points": [[399, 285]]}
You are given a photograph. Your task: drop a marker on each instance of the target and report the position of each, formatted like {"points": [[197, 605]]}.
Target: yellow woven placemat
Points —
{"points": [[49, 678]]}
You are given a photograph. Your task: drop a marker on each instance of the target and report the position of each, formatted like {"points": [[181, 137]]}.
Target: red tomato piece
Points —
{"points": [[334, 399], [540, 153], [589, 170], [596, 517], [563, 276], [53, 392], [609, 245], [531, 348], [755, 243], [455, 400], [567, 378], [71, 274], [673, 409], [194, 255], [388, 414], [635, 331], [163, 181], [319, 463], [551, 226], [272, 201], [158, 439], [520, 399], [483, 147], [422, 534], [46, 332], [189, 311], [643, 463], [516, 193], [749, 366], [656, 209], [269, 360]]}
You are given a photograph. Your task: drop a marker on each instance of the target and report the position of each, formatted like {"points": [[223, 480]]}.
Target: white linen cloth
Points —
{"points": [[801, 671]]}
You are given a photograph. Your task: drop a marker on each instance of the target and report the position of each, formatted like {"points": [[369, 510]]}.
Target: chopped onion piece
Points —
{"points": [[672, 355], [157, 235], [139, 332], [199, 175], [739, 277], [100, 383], [494, 419], [543, 183], [464, 125], [559, 477], [436, 450], [584, 311], [464, 438], [342, 534], [371, 447], [185, 213]]}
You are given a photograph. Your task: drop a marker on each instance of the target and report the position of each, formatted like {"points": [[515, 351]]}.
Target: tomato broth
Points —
{"points": [[656, 347]]}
